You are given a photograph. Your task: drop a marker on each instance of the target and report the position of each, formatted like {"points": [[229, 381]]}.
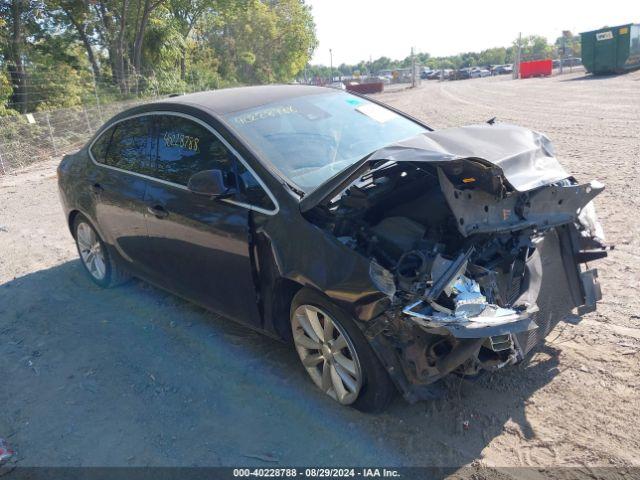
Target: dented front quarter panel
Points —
{"points": [[307, 255]]}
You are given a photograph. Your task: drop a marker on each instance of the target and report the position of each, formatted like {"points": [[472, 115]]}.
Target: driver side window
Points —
{"points": [[184, 147]]}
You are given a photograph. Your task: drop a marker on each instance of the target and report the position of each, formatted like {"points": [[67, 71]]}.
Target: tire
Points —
{"points": [[369, 387], [103, 270]]}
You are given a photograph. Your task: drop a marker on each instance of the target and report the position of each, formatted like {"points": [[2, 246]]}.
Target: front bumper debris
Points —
{"points": [[493, 320]]}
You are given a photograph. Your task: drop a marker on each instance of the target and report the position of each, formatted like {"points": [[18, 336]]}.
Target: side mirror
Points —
{"points": [[210, 183]]}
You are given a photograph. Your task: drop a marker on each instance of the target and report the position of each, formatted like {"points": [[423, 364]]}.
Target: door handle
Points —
{"points": [[97, 189], [158, 211]]}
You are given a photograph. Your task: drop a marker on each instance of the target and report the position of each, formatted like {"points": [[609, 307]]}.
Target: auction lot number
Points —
{"points": [[315, 472]]}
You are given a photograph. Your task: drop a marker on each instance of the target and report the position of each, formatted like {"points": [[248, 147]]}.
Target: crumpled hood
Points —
{"points": [[525, 157]]}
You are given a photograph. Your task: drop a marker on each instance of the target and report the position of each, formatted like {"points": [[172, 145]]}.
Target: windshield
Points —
{"points": [[311, 138]]}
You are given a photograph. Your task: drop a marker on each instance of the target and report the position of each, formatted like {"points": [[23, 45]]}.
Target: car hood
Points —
{"points": [[524, 158]]}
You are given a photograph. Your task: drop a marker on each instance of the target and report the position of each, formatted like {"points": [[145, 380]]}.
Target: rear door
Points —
{"points": [[118, 185], [202, 244]]}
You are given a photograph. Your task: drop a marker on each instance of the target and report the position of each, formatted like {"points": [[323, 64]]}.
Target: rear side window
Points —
{"points": [[99, 147], [125, 145], [185, 147], [129, 146]]}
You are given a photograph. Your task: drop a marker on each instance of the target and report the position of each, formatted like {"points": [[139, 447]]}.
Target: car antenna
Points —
{"points": [[491, 121]]}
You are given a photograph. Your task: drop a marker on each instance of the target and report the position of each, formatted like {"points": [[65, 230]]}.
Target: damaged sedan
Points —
{"points": [[389, 254]]}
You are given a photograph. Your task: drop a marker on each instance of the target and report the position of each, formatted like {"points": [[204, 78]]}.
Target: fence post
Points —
{"points": [[86, 117], [95, 90], [53, 143], [2, 168]]}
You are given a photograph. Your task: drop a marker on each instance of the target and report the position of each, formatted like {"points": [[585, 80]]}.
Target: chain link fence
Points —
{"points": [[35, 137]]}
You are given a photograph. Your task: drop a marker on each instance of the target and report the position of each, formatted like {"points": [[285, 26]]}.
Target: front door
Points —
{"points": [[201, 244]]}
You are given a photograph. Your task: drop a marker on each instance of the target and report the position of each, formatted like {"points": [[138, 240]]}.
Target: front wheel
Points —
{"points": [[336, 355]]}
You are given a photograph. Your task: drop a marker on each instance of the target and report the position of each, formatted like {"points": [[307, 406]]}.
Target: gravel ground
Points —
{"points": [[136, 376]]}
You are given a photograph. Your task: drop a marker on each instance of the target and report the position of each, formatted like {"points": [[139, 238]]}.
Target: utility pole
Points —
{"points": [[560, 53], [413, 70], [563, 47], [516, 66], [331, 65]]}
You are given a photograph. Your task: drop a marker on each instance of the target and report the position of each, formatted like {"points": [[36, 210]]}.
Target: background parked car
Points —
{"points": [[477, 72], [502, 69], [567, 62], [460, 74]]}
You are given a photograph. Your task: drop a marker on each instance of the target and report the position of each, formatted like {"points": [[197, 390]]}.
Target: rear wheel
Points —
{"points": [[94, 255], [336, 355]]}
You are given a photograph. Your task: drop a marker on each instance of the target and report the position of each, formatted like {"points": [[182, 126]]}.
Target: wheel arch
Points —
{"points": [[284, 290], [71, 218]]}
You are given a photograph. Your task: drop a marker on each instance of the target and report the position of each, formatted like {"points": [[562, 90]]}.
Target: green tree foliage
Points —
{"points": [[493, 56], [534, 47], [568, 45], [262, 42], [56, 53], [5, 94]]}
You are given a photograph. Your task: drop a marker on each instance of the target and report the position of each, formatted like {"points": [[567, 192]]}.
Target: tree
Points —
{"points": [[260, 41], [143, 12], [5, 93], [160, 45], [19, 17], [534, 47], [568, 45], [78, 16], [382, 63], [493, 56], [185, 14]]}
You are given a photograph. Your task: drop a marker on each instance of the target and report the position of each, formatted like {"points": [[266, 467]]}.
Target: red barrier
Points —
{"points": [[364, 88], [536, 68]]}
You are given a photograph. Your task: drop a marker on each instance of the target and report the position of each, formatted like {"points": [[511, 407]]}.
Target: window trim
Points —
{"points": [[204, 124]]}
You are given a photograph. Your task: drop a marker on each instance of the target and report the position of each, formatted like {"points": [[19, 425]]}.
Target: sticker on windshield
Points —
{"points": [[270, 112], [376, 112]]}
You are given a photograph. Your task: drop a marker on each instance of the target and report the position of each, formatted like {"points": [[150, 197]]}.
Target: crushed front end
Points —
{"points": [[478, 262]]}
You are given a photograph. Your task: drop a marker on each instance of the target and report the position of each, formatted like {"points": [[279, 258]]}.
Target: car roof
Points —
{"points": [[230, 100]]}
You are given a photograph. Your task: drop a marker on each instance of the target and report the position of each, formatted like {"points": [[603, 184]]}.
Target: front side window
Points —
{"points": [[125, 145], [185, 148]]}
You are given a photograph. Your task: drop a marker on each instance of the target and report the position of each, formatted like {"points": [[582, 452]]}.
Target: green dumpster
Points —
{"points": [[611, 49]]}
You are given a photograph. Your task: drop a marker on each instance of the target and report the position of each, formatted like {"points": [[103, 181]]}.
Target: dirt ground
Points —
{"points": [[136, 376]]}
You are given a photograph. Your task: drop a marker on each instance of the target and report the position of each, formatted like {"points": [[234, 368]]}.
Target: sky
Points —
{"points": [[361, 29]]}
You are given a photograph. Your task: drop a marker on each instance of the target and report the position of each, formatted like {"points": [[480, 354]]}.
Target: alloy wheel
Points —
{"points": [[91, 251], [327, 353]]}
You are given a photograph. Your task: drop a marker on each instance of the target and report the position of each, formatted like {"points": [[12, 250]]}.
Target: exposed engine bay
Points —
{"points": [[454, 246]]}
